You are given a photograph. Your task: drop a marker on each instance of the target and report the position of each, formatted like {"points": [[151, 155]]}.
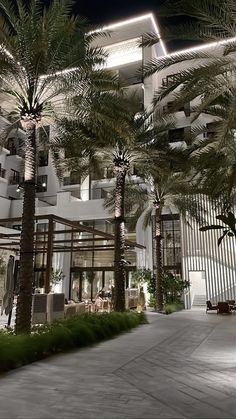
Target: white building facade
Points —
{"points": [[211, 272]]}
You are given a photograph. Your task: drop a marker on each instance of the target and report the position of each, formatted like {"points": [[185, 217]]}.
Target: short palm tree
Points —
{"points": [[168, 188], [162, 184], [45, 56]]}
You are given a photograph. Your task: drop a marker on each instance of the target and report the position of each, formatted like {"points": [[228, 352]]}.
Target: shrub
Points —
{"points": [[172, 287], [171, 308], [63, 335]]}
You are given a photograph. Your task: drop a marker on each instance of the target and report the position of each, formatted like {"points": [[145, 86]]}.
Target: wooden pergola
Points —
{"points": [[50, 243]]}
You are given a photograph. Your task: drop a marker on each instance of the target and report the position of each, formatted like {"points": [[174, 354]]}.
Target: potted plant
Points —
{"points": [[56, 277]]}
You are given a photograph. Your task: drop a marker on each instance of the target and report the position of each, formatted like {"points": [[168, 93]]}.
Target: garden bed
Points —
{"points": [[64, 335]]}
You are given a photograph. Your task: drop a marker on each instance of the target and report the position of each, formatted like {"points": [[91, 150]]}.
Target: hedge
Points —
{"points": [[64, 335]]}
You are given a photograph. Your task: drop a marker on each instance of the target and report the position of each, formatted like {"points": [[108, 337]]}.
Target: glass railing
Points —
{"points": [[71, 180]]}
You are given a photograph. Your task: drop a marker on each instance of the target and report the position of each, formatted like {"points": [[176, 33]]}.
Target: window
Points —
{"points": [[169, 79], [169, 108], [73, 179], [108, 173], [2, 172], [211, 130], [44, 133], [14, 177], [178, 134], [171, 242], [11, 146], [43, 158], [42, 183]]}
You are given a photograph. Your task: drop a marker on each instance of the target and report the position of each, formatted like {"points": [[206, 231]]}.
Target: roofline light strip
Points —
{"points": [[154, 22], [135, 20], [201, 47]]}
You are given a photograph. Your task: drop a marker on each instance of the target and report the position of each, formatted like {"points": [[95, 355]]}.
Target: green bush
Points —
{"points": [[75, 332], [171, 308]]}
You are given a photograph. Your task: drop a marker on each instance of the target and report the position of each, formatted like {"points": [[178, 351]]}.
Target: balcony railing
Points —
{"points": [[3, 173], [71, 180], [15, 180], [15, 151]]}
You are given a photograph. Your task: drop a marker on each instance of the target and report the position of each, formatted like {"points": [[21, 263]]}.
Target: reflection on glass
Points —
{"points": [[85, 286]]}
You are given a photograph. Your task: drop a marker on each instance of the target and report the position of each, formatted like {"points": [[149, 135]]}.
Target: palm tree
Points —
{"points": [[209, 79], [214, 158], [209, 74], [163, 184], [168, 188], [229, 230], [45, 56], [113, 132]]}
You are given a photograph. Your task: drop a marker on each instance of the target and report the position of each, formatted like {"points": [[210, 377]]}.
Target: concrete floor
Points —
{"points": [[179, 366]]}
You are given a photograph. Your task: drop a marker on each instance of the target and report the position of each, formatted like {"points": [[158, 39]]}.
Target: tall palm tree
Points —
{"points": [[45, 56], [209, 73]]}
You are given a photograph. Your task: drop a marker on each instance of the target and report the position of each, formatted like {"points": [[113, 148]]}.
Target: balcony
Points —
{"points": [[15, 180], [2, 173], [3, 112], [14, 151], [15, 147], [73, 179]]}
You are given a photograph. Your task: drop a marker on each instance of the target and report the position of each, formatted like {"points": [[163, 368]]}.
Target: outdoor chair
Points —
{"points": [[223, 308], [105, 305], [230, 302], [210, 307], [98, 304]]}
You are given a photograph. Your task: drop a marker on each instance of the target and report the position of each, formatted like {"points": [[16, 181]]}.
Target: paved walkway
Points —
{"points": [[178, 366]]}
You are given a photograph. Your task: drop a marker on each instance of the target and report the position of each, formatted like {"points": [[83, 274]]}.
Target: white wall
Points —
{"points": [[4, 207]]}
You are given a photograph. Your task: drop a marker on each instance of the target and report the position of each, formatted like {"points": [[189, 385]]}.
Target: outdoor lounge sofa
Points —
{"points": [[223, 308], [210, 307]]}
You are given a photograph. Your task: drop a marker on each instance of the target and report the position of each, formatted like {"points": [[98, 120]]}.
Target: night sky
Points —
{"points": [[104, 11], [108, 11]]}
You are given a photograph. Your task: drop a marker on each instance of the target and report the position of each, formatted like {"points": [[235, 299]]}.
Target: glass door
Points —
{"points": [[85, 285]]}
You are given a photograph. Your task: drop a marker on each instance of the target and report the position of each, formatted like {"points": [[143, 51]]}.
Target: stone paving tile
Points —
{"points": [[178, 366]]}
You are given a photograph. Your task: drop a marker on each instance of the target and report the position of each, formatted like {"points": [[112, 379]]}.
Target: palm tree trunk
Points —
{"points": [[119, 292], [159, 266], [24, 301]]}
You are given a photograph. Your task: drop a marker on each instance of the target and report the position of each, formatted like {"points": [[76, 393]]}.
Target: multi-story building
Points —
{"points": [[90, 267]]}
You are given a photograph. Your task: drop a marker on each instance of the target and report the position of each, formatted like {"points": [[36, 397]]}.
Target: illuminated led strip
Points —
{"points": [[135, 20], [117, 25], [158, 33], [201, 47]]}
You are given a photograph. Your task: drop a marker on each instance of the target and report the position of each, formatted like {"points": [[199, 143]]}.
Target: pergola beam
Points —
{"points": [[75, 227]]}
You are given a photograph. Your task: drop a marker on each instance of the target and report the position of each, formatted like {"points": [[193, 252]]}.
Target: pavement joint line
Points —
{"points": [[138, 356], [151, 396], [181, 391]]}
